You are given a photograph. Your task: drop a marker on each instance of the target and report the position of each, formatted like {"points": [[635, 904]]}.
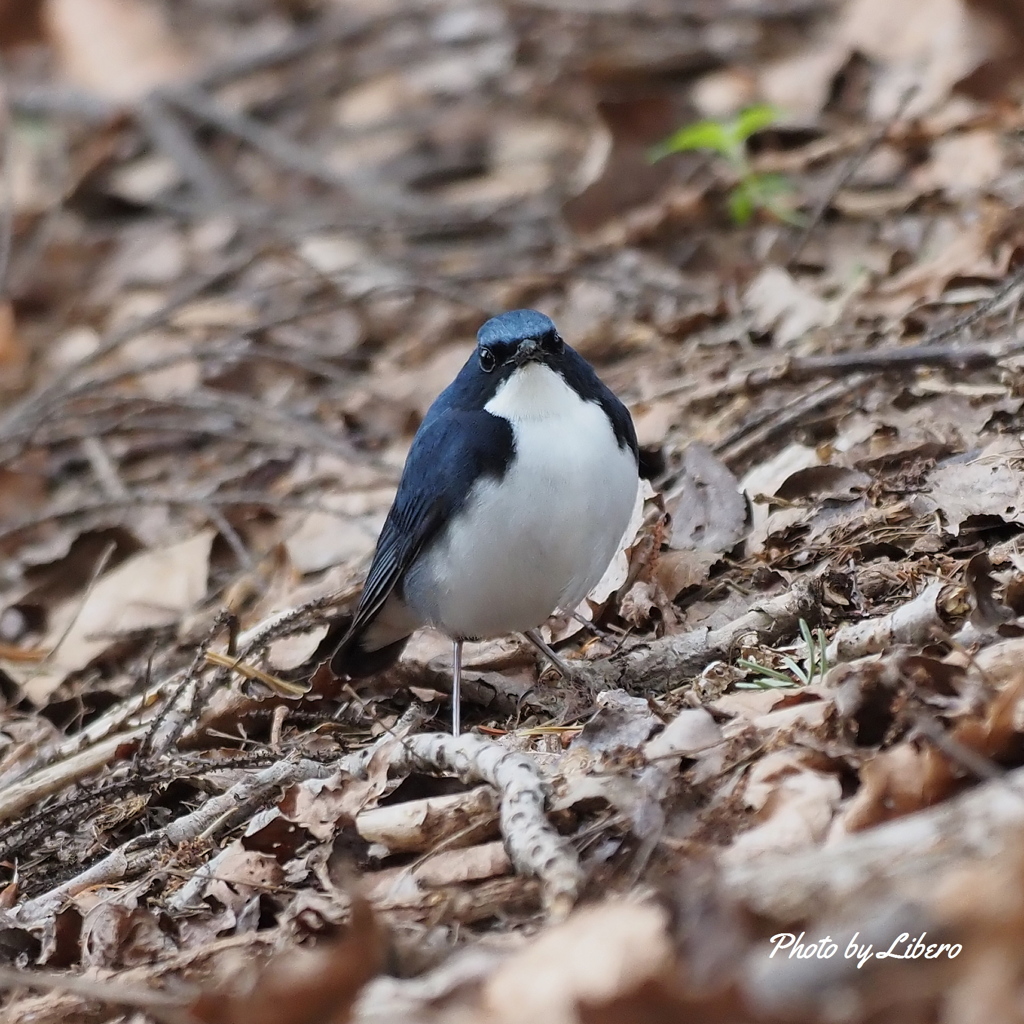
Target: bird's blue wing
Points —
{"points": [[452, 450]]}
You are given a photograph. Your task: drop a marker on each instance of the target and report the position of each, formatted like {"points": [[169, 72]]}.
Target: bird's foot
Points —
{"points": [[571, 675], [594, 629]]}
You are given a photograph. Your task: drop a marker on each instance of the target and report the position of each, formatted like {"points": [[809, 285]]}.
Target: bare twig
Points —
{"points": [[169, 135], [848, 170], [659, 665], [915, 622], [752, 436], [15, 798]]}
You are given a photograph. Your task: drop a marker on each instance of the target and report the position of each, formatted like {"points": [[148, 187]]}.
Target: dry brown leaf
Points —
{"points": [[675, 571], [796, 805], [20, 22], [955, 249], [320, 539], [998, 734], [765, 478], [13, 352], [598, 953], [120, 49], [896, 782], [410, 886], [308, 986], [929, 45], [963, 164], [118, 933], [623, 177]]}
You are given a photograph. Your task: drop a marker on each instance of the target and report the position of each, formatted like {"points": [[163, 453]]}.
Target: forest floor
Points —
{"points": [[244, 244]]}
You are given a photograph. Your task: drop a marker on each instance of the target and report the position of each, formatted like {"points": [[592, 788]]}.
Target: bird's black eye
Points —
{"points": [[488, 361], [556, 342]]}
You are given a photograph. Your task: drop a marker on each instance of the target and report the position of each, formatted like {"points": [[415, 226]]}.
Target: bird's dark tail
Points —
{"points": [[355, 660]]}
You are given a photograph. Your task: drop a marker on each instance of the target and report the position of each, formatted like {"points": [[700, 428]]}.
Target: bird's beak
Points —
{"points": [[528, 351]]}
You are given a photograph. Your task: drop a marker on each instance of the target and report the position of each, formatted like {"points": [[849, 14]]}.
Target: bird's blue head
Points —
{"points": [[513, 339]]}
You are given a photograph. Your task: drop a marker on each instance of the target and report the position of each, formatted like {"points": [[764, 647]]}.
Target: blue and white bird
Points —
{"points": [[515, 496]]}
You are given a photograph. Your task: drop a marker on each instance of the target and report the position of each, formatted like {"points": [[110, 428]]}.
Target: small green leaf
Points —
{"points": [[795, 667], [710, 135], [752, 120], [770, 186], [764, 672], [741, 204]]}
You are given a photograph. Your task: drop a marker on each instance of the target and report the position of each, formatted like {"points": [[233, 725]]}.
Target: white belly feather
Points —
{"points": [[542, 537]]}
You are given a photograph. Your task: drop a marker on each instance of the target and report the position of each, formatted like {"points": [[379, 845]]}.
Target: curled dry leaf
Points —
{"points": [[456, 819], [896, 782], [410, 886], [985, 484], [690, 732], [765, 478]]}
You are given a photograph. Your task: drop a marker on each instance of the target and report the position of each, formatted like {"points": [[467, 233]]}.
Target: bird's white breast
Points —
{"points": [[541, 538]]}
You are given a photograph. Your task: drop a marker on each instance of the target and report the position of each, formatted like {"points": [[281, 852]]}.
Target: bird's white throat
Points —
{"points": [[540, 537], [533, 392]]}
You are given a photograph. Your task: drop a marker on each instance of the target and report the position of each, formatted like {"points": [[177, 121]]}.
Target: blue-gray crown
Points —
{"points": [[513, 326]]}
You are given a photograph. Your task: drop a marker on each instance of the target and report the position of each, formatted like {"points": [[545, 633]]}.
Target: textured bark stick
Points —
{"points": [[663, 664]]}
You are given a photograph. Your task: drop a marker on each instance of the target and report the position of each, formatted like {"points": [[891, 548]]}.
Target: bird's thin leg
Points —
{"points": [[456, 687], [535, 638]]}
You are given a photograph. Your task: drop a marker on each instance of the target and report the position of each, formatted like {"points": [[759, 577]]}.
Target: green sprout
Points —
{"points": [[753, 190], [814, 665]]}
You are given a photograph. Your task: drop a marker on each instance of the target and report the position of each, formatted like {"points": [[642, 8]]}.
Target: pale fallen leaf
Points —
{"points": [[117, 932], [961, 165], [242, 874], [675, 571], [797, 806], [622, 722], [958, 247], [319, 539], [291, 651], [929, 45], [120, 49], [765, 478], [709, 513], [416, 387], [691, 731], [450, 867], [787, 308], [989, 484], [150, 590]]}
